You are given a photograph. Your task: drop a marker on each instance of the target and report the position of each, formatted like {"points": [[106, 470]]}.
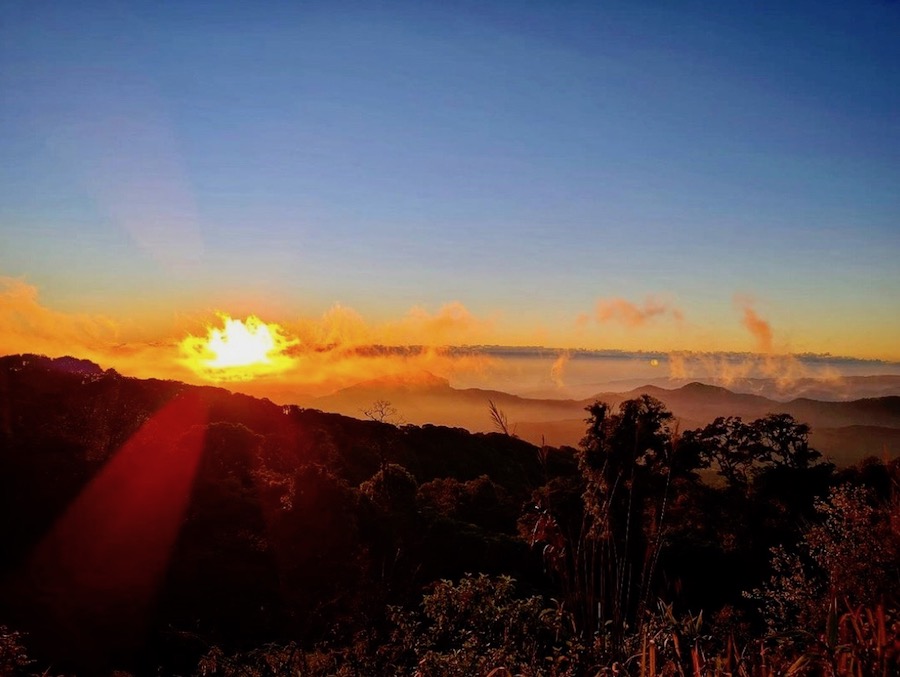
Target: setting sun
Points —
{"points": [[239, 351]]}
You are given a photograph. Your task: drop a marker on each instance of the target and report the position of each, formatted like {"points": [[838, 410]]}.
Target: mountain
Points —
{"points": [[836, 389], [847, 430], [145, 521], [425, 398], [847, 445], [131, 502]]}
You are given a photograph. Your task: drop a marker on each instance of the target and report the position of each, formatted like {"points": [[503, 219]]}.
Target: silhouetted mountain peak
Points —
{"points": [[696, 387], [66, 365], [412, 381]]}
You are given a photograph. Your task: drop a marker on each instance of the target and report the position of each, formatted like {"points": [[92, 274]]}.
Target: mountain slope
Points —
{"points": [[429, 399]]}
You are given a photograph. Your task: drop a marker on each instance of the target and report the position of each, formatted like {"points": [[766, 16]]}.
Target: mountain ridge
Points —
{"points": [[427, 399]]}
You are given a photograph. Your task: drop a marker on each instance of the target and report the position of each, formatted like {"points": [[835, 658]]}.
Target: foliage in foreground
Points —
{"points": [[831, 612], [477, 628]]}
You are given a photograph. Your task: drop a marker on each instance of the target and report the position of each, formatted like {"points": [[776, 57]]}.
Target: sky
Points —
{"points": [[638, 175]]}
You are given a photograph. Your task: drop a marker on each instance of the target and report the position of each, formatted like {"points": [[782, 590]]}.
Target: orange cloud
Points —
{"points": [[339, 326], [335, 351], [757, 326], [726, 369], [558, 369], [786, 372], [452, 324], [341, 348], [27, 326], [632, 315]]}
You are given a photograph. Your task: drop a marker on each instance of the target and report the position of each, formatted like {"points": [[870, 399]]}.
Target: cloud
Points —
{"points": [[334, 351], [341, 348], [787, 373], [453, 323], [27, 326], [726, 369], [759, 328], [342, 327], [557, 370], [633, 315], [338, 327]]}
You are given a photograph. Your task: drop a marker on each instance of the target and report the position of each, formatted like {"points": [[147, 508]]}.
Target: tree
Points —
{"points": [[741, 451], [478, 626], [627, 463], [850, 556], [383, 412], [730, 445], [785, 442], [392, 489]]}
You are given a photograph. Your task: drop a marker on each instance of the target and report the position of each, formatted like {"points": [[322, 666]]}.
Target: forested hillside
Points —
{"points": [[158, 528]]}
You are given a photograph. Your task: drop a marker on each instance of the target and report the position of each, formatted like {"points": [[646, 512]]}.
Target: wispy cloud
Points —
{"points": [[784, 369], [26, 325], [759, 328], [558, 369], [631, 314], [453, 323]]}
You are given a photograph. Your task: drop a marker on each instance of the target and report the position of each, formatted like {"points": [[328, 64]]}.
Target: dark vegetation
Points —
{"points": [[314, 544]]}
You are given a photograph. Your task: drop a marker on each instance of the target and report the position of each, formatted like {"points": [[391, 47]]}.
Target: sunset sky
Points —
{"points": [[694, 176]]}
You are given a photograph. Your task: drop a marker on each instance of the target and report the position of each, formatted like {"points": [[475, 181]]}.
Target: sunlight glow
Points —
{"points": [[240, 351], [98, 570]]}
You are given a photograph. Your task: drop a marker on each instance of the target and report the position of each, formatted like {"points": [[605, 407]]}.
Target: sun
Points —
{"points": [[239, 351]]}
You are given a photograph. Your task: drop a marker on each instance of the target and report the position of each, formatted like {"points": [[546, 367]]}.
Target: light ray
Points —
{"points": [[96, 573]]}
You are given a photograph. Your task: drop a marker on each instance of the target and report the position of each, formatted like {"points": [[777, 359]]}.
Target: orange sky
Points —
{"points": [[332, 350], [519, 176]]}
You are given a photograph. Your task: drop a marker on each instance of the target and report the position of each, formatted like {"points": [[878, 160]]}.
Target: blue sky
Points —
{"points": [[526, 159]]}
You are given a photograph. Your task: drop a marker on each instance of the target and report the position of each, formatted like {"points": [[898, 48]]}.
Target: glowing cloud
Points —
{"points": [[757, 326], [453, 323], [632, 315], [240, 351], [27, 326], [785, 371], [285, 362], [558, 369]]}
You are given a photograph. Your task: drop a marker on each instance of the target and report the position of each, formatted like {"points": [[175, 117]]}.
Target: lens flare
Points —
{"points": [[240, 351]]}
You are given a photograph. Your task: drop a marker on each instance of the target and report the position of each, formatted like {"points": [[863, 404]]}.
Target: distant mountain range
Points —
{"points": [[843, 430], [839, 389]]}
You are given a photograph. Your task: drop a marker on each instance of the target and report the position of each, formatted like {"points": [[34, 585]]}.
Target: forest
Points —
{"points": [[155, 528]]}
